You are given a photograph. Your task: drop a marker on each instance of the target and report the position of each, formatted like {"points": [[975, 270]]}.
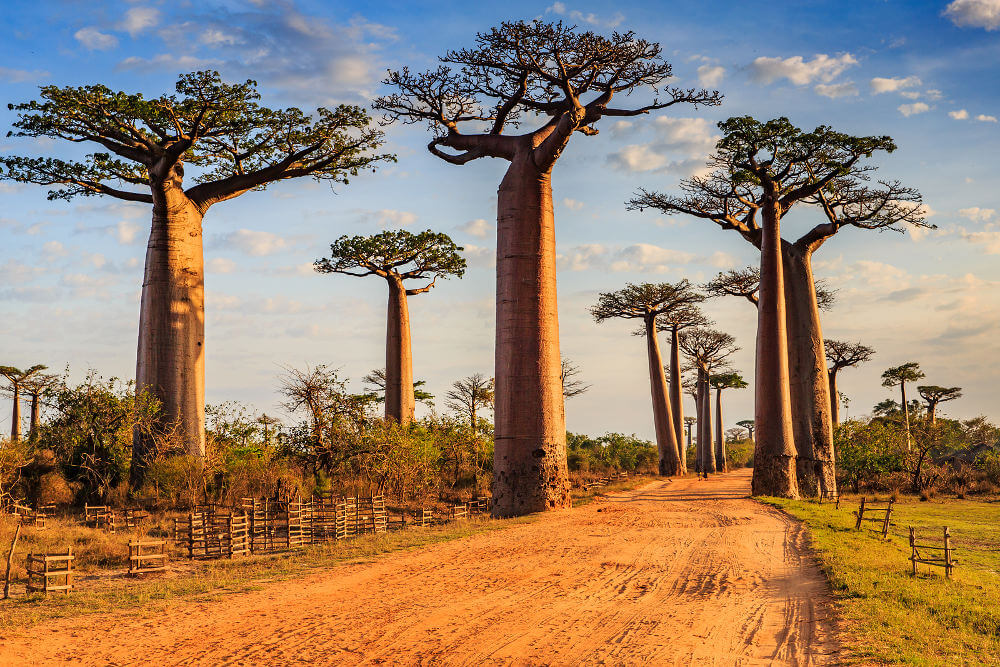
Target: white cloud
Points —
{"points": [[933, 94], [709, 76], [139, 19], [478, 228], [572, 204], [913, 109], [21, 75], [648, 258], [974, 13], [692, 139], [637, 158], [961, 114], [799, 71], [388, 217], [127, 232], [584, 257], [54, 249], [217, 37], [252, 242], [835, 90], [220, 265], [989, 239], [479, 256], [976, 214], [986, 119], [95, 40], [880, 84], [560, 9]]}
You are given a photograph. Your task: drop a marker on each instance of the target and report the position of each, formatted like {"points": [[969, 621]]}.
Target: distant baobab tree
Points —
{"points": [[745, 283], [35, 386], [566, 79], [719, 382], [647, 302], [470, 395], [17, 379], [708, 350], [569, 378], [760, 171], [143, 145], [748, 425], [375, 383], [689, 422], [843, 354], [397, 256], [933, 395], [900, 375]]}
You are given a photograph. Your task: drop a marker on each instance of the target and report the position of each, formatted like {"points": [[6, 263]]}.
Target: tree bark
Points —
{"points": [[530, 471], [15, 419], [720, 434], [399, 396], [774, 455], [812, 424], [170, 362], [677, 399], [906, 413], [35, 417], [705, 424], [663, 423], [931, 413], [834, 396]]}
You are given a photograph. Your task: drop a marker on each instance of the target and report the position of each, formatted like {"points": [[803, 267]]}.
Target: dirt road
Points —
{"points": [[689, 572]]}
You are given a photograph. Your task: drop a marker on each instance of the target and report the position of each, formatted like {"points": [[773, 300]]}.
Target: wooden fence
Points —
{"points": [[50, 572], [148, 556], [875, 508], [918, 553], [211, 533]]}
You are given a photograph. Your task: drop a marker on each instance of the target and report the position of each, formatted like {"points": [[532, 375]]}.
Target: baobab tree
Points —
{"points": [[568, 80], [375, 384], [470, 395], [17, 379], [569, 378], [143, 146], [748, 425], [689, 422], [933, 395], [648, 302], [35, 386], [708, 350], [900, 375], [397, 256], [842, 354], [719, 382], [745, 283], [759, 172]]}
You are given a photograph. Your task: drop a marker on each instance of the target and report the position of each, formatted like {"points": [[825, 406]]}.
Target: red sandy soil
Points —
{"points": [[686, 572]]}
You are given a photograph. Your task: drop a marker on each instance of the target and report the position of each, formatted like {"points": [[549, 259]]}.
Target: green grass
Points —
{"points": [[207, 579], [892, 617]]}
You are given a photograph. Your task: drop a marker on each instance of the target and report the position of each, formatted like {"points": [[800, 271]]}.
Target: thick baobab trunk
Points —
{"points": [[529, 469], [705, 423], [834, 397], [663, 423], [170, 361], [720, 434], [676, 399], [399, 397], [812, 423], [35, 417], [932, 413], [15, 419], [774, 455], [697, 430], [906, 413]]}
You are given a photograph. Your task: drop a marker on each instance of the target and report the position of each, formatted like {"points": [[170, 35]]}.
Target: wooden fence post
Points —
{"points": [[913, 551], [10, 557], [861, 514], [885, 524], [947, 553]]}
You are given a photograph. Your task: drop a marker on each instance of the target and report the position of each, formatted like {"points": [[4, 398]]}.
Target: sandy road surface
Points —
{"points": [[687, 573]]}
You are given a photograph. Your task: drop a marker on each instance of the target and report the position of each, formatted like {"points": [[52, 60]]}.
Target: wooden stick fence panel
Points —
{"points": [[42, 568], [875, 507], [918, 555], [148, 556], [380, 519], [459, 512], [426, 517]]}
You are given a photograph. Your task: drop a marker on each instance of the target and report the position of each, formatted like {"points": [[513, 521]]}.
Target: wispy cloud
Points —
{"points": [[974, 13], [560, 9], [800, 71], [95, 40]]}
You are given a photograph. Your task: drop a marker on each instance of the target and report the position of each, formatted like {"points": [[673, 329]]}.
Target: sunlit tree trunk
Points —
{"points": [[676, 399], [15, 419], [720, 434], [530, 471], [705, 423], [809, 380], [834, 396], [399, 397], [35, 417], [906, 413], [663, 423], [774, 455], [170, 361]]}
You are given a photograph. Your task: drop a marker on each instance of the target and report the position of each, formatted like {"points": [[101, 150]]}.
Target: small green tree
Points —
{"points": [[397, 256], [867, 451], [934, 395]]}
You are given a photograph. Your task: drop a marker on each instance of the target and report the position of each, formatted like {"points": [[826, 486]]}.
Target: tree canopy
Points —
{"points": [[934, 394], [707, 348], [669, 304], [526, 69], [908, 372], [731, 380], [396, 254], [234, 143], [842, 354], [746, 283]]}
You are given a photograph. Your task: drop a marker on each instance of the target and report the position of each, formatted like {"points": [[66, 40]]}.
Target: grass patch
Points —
{"points": [[892, 617], [99, 590]]}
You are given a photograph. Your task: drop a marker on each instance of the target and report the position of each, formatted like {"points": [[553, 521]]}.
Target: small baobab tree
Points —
{"points": [[569, 378], [568, 80], [900, 375], [18, 379], [719, 382], [745, 283], [707, 350], [934, 395], [469, 396], [375, 385], [748, 425], [689, 423], [35, 387], [648, 302], [397, 256], [233, 145], [843, 354], [760, 171]]}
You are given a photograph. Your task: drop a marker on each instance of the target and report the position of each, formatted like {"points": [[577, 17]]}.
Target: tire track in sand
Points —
{"points": [[683, 573]]}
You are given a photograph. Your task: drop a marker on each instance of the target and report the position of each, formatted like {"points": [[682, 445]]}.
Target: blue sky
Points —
{"points": [[923, 72]]}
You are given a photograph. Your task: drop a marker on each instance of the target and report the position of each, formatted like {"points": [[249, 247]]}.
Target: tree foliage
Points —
{"points": [[746, 283], [707, 348], [843, 354]]}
